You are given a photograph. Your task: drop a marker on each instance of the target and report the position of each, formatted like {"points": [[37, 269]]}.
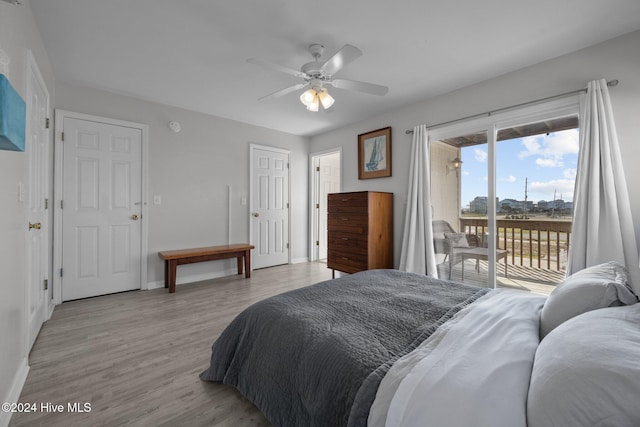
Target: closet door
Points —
{"points": [[269, 206]]}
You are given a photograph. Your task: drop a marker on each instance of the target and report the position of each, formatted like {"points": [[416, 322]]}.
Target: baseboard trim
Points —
{"points": [[194, 278], [154, 285], [299, 260], [50, 309], [16, 388]]}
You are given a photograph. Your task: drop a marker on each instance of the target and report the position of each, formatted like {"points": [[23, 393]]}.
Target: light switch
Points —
{"points": [[20, 192], [243, 201], [157, 199]]}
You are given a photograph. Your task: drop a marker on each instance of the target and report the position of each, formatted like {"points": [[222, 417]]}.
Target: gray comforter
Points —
{"points": [[315, 356]]}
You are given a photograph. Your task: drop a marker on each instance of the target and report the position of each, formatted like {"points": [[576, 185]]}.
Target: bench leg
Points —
{"points": [[173, 266], [166, 273], [239, 260], [247, 264]]}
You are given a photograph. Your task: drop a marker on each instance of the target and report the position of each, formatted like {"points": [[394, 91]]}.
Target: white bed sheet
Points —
{"points": [[474, 370]]}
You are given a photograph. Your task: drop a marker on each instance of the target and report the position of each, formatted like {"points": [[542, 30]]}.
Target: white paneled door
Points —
{"points": [[37, 147], [269, 206], [328, 182], [102, 208]]}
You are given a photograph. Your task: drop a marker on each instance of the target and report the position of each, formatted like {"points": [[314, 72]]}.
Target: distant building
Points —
{"points": [[558, 204], [516, 205], [480, 203], [507, 204]]}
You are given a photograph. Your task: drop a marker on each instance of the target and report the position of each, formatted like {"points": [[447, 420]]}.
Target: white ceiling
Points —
{"points": [[192, 53]]}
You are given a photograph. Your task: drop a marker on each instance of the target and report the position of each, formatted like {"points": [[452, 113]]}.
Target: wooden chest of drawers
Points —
{"points": [[360, 226]]}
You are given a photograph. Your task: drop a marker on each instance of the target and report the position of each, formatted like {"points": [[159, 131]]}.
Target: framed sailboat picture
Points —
{"points": [[374, 154]]}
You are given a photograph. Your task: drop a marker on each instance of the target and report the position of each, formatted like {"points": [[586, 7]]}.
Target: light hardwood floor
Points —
{"points": [[135, 356]]}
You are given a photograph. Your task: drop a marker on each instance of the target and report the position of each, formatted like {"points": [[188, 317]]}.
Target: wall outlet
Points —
{"points": [[243, 201], [157, 200]]}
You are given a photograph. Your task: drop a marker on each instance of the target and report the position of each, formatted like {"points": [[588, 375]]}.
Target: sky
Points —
{"points": [[549, 162]]}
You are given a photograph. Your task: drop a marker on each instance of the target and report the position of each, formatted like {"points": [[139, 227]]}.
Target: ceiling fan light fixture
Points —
{"points": [[308, 96], [313, 97], [314, 106], [326, 99]]}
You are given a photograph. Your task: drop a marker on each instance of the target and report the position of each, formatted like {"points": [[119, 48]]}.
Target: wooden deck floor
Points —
{"points": [[525, 278]]}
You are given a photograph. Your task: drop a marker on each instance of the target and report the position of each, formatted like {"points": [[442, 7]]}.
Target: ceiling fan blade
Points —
{"points": [[284, 91], [276, 67], [341, 58], [369, 88]]}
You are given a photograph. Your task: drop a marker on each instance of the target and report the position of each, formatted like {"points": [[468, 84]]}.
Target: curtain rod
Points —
{"points": [[610, 83]]}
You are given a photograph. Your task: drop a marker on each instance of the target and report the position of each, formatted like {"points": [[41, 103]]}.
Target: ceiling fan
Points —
{"points": [[319, 74]]}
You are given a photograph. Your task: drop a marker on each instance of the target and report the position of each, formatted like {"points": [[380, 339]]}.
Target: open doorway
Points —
{"points": [[326, 173]]}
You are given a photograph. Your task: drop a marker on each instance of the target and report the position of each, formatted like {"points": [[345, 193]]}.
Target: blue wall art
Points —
{"points": [[13, 114]]}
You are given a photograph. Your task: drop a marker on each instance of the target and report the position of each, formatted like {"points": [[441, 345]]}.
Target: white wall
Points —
{"points": [[191, 170], [615, 59], [445, 183], [17, 34]]}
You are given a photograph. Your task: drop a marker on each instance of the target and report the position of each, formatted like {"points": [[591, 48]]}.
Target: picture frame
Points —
{"points": [[374, 154]]}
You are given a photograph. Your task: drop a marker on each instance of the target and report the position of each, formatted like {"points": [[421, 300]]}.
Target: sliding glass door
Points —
{"points": [[489, 186]]}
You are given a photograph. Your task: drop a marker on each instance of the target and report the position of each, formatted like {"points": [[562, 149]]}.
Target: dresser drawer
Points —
{"points": [[347, 242], [348, 223], [346, 268], [347, 259], [348, 202]]}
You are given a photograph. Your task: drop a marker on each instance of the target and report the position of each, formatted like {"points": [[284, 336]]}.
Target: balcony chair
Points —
{"points": [[451, 243]]}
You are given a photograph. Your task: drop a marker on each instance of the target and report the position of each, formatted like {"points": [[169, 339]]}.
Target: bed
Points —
{"points": [[387, 348]]}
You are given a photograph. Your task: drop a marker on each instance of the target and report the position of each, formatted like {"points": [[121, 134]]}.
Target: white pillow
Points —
{"points": [[586, 372], [457, 240], [600, 286]]}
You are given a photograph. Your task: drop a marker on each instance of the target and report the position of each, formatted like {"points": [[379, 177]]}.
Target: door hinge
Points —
{"points": [[46, 123], [317, 168], [46, 204], [46, 284], [287, 165], [287, 205], [62, 136], [287, 246], [61, 272], [317, 205], [61, 205], [317, 242]]}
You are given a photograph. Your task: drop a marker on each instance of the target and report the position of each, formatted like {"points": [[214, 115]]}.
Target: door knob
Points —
{"points": [[256, 214], [134, 217], [37, 226]]}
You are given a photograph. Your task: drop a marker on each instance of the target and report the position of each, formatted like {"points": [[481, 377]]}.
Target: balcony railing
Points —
{"points": [[538, 243]]}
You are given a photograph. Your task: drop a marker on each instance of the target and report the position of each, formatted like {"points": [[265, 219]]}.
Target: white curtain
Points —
{"points": [[602, 224], [418, 254]]}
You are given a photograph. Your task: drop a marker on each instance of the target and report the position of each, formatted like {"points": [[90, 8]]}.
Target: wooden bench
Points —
{"points": [[172, 259]]}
